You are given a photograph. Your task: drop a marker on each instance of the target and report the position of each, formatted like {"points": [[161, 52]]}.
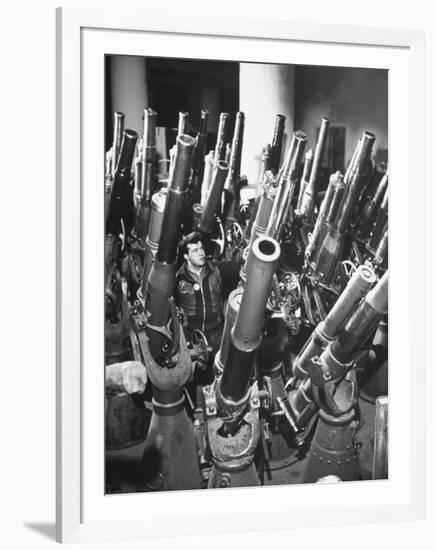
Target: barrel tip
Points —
{"points": [[131, 134], [299, 134], [367, 273], [186, 140], [369, 135], [222, 165], [266, 249]]}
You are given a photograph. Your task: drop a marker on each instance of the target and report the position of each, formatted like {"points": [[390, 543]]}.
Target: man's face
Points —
{"points": [[196, 255]]}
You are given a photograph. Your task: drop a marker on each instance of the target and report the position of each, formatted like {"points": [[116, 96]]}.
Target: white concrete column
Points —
{"points": [[209, 99], [265, 91], [129, 89]]}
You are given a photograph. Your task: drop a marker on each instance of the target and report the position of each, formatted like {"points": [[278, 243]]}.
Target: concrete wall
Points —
{"points": [[355, 98], [129, 95], [265, 91]]}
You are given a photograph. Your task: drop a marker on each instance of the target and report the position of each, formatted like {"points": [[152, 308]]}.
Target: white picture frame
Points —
{"points": [[83, 36]]}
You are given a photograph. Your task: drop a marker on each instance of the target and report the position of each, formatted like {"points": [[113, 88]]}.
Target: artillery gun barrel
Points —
{"points": [[287, 179], [182, 127], [119, 119], [213, 202], [220, 147], [319, 151], [246, 333], [380, 224], [329, 206], [359, 284], [368, 214], [121, 199], [362, 322], [311, 188], [277, 143], [143, 207], [308, 159], [177, 189], [265, 207], [355, 180], [198, 156], [380, 461], [149, 136], [154, 231]]}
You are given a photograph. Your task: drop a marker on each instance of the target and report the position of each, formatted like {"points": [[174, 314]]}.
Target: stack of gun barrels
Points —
{"points": [[300, 389]]}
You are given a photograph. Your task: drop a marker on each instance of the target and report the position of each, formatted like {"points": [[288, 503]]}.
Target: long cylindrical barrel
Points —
{"points": [[368, 214], [246, 333], [198, 157], [311, 188], [121, 200], [232, 308], [308, 159], [364, 320], [220, 147], [139, 167], [319, 151], [355, 180], [147, 181], [276, 144], [149, 136], [143, 210], [287, 179], [380, 224], [265, 207], [359, 284], [326, 330], [182, 127], [177, 189], [236, 153], [119, 119], [154, 232], [265, 163], [379, 171], [231, 186], [329, 206], [381, 254], [213, 203], [207, 177]]}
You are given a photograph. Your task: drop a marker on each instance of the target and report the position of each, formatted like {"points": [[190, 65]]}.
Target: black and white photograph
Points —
{"points": [[246, 274]]}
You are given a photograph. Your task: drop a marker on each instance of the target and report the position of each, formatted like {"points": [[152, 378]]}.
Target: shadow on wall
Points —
{"points": [[352, 97]]}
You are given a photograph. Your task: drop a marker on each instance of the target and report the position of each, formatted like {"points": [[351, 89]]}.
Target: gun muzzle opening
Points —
{"points": [[186, 140], [266, 249], [367, 274], [300, 135], [222, 165]]}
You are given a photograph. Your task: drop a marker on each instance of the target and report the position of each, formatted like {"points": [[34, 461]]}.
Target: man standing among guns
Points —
{"points": [[201, 288]]}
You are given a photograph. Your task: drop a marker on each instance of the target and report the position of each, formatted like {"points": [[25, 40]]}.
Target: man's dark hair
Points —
{"points": [[192, 238]]}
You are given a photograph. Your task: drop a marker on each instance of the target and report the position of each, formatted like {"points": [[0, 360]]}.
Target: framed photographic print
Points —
{"points": [[226, 293]]}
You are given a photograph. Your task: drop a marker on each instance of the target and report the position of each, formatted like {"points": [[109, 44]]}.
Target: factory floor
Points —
{"points": [[124, 474]]}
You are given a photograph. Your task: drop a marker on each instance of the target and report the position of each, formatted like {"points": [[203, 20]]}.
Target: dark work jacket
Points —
{"points": [[200, 301]]}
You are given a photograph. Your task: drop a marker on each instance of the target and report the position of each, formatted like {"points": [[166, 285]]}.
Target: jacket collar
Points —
{"points": [[184, 272]]}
